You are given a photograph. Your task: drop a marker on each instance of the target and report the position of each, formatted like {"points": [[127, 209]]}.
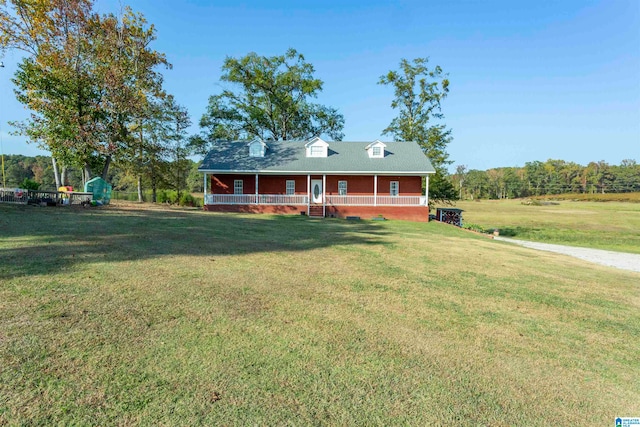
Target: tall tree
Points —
{"points": [[85, 78], [269, 98], [178, 121], [418, 93]]}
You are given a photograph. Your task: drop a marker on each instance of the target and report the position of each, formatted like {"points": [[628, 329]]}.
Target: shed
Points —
{"points": [[100, 189], [450, 216]]}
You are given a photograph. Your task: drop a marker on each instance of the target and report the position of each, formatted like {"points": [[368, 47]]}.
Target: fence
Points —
{"points": [[19, 196]]}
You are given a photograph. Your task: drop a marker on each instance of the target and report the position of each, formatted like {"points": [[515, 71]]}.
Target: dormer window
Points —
{"points": [[257, 148], [317, 148], [376, 149]]}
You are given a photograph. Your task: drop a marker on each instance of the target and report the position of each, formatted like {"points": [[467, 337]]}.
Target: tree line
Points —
{"points": [[542, 178], [36, 173], [94, 86]]}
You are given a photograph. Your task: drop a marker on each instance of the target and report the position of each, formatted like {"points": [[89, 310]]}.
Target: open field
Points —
{"points": [[594, 197], [612, 225], [125, 316]]}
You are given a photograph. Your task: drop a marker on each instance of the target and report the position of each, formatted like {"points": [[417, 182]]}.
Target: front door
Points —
{"points": [[316, 191]]}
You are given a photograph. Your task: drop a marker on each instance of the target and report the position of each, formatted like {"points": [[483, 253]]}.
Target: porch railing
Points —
{"points": [[375, 200], [302, 199], [252, 199]]}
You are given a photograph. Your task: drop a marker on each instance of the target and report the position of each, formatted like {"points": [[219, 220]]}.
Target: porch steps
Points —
{"points": [[315, 212]]}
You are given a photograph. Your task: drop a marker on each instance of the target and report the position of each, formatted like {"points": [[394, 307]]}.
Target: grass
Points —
{"points": [[159, 317], [611, 225], [595, 197]]}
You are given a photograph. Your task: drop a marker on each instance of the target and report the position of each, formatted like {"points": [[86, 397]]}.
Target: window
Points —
{"points": [[291, 187], [342, 188], [316, 151], [377, 151], [255, 150], [237, 186], [394, 189]]}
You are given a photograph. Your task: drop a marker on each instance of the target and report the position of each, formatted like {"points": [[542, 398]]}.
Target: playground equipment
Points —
{"points": [[100, 189]]}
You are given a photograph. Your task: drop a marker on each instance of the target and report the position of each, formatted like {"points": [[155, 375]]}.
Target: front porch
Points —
{"points": [[318, 195], [303, 199]]}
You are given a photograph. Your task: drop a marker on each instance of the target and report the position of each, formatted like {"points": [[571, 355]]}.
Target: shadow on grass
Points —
{"points": [[515, 231], [35, 240]]}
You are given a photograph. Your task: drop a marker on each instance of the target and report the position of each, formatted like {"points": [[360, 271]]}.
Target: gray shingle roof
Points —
{"points": [[402, 158]]}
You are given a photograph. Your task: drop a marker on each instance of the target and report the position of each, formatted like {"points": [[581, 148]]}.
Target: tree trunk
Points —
{"points": [[140, 199], [154, 194], [105, 169], [86, 173], [63, 175], [56, 173]]}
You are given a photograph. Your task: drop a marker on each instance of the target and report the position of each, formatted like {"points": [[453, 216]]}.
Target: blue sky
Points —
{"points": [[529, 80]]}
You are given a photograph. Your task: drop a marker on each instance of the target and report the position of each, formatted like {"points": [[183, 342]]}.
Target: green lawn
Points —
{"points": [[602, 225], [148, 316]]}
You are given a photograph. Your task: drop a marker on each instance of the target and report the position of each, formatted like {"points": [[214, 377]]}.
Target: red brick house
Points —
{"points": [[318, 178]]}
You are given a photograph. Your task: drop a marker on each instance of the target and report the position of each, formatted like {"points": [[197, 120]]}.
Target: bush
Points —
{"points": [[477, 228], [29, 184], [167, 196], [187, 200]]}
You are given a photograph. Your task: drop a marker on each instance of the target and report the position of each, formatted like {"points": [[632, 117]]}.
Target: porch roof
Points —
{"points": [[288, 157]]}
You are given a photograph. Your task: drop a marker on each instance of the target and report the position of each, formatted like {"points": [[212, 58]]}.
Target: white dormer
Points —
{"points": [[257, 148], [316, 147], [376, 149]]}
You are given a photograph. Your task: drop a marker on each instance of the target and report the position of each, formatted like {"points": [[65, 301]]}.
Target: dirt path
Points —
{"points": [[622, 260]]}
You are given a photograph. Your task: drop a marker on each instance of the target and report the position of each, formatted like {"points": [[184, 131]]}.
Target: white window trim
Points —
{"points": [[255, 150], [397, 188], [290, 191], [376, 145], [238, 186], [340, 190], [316, 147], [316, 151]]}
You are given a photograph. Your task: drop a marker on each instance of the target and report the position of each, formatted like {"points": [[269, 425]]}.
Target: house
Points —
{"points": [[318, 178]]}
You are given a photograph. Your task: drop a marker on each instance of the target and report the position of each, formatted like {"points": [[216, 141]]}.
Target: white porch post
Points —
{"points": [[426, 191], [204, 201], [324, 195], [308, 193], [375, 190], [256, 189]]}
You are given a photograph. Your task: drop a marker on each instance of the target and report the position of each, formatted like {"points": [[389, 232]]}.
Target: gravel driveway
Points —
{"points": [[622, 260]]}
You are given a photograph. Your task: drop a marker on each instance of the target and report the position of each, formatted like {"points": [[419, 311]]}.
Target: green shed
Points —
{"points": [[100, 189]]}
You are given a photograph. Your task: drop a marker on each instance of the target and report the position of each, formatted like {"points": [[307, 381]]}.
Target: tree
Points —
{"points": [[85, 79], [418, 93], [268, 98], [178, 122], [461, 173]]}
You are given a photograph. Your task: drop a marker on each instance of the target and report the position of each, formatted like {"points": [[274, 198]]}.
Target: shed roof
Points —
{"points": [[401, 158]]}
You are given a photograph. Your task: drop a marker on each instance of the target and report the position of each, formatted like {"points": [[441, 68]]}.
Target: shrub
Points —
{"points": [[187, 200], [167, 196], [29, 184]]}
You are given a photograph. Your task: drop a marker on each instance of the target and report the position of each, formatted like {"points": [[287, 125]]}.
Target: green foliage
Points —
{"points": [[418, 93], [171, 197], [476, 227], [547, 178], [87, 78], [271, 101], [167, 196], [187, 199], [441, 190], [29, 184]]}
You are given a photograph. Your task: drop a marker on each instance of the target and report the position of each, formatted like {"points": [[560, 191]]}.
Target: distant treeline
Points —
{"points": [[543, 178], [25, 172]]}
